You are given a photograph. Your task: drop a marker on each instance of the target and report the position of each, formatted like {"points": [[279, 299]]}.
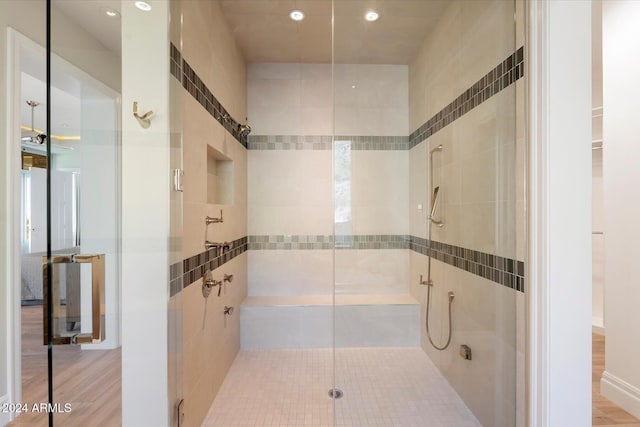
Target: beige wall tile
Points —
{"points": [[317, 120], [290, 272], [222, 68], [210, 344], [290, 192], [418, 191], [205, 337], [372, 271]]}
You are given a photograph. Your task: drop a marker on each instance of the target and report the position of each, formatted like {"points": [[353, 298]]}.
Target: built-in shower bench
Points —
{"points": [[361, 320]]}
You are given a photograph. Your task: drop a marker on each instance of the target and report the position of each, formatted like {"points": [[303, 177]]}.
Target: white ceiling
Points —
{"points": [[66, 91], [65, 119], [90, 16], [265, 33]]}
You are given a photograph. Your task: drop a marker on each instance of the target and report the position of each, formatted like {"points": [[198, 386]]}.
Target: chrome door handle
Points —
{"points": [[58, 317]]}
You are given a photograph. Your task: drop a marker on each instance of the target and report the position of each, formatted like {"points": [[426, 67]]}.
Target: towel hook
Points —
{"points": [[145, 119]]}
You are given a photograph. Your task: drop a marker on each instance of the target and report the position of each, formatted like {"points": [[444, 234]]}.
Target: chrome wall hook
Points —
{"points": [[145, 119]]}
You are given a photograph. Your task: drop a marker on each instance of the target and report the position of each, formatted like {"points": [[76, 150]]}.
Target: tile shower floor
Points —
{"points": [[382, 387]]}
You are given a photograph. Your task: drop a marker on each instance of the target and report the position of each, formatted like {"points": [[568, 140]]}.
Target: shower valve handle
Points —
{"points": [[428, 282]]}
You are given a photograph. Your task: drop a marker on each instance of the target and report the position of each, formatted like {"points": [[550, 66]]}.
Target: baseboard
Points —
{"points": [[623, 394], [597, 329]]}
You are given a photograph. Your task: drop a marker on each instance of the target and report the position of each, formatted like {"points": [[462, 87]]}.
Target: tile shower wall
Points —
{"points": [[213, 75], [466, 102], [290, 175]]}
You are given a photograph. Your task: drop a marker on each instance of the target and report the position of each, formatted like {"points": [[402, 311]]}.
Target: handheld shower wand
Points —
{"points": [[429, 281], [434, 202]]}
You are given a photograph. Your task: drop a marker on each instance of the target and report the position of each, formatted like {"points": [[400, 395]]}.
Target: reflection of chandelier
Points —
{"points": [[37, 138], [32, 137]]}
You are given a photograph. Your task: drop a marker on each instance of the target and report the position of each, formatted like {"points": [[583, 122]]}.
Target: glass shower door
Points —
{"points": [[428, 212], [82, 268]]}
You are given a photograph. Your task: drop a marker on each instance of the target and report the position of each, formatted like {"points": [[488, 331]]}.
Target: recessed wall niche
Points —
{"points": [[219, 178]]}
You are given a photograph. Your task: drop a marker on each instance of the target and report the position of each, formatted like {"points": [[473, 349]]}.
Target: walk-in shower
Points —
{"points": [[379, 156], [355, 159]]}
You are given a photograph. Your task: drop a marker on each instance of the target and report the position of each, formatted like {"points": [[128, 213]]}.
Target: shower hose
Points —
{"points": [[429, 286]]}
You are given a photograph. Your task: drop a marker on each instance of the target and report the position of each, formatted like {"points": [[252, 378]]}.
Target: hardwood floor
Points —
{"points": [[90, 380], [605, 412]]}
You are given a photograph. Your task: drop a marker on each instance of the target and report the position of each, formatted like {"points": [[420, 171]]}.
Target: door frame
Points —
{"points": [[16, 43], [551, 27], [559, 213]]}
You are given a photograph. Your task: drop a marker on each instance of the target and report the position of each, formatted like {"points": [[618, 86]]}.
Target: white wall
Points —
{"points": [[145, 216], [597, 189], [598, 267], [100, 204], [621, 90], [570, 376], [559, 213]]}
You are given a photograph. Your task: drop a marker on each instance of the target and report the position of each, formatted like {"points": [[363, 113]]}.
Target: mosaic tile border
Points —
{"points": [[175, 62], [183, 274], [504, 75], [306, 242], [325, 142], [504, 271], [190, 80]]}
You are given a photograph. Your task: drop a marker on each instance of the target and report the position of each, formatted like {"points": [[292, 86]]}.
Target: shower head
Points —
{"points": [[434, 201], [438, 148], [244, 130]]}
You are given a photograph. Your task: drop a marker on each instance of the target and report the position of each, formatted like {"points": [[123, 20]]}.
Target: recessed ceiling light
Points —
{"points": [[296, 15], [371, 16], [143, 5], [111, 13]]}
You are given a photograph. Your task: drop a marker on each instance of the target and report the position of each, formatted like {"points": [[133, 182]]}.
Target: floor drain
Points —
{"points": [[335, 393]]}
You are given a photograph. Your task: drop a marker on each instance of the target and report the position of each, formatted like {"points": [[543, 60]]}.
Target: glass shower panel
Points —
{"points": [[283, 314], [427, 182], [176, 270], [84, 236]]}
